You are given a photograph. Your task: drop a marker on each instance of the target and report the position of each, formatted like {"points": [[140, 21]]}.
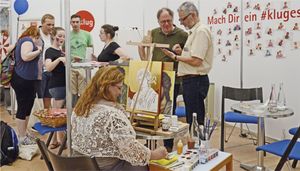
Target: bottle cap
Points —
{"points": [[194, 114]]}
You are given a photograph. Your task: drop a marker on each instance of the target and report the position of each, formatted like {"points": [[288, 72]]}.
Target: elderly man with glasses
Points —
{"points": [[166, 33], [195, 61]]}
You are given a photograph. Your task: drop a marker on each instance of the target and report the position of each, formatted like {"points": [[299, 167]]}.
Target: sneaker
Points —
{"points": [[33, 129], [31, 137], [27, 141]]}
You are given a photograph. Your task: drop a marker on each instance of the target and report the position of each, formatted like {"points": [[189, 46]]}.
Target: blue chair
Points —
{"points": [[292, 131], [287, 149], [46, 129], [239, 95]]}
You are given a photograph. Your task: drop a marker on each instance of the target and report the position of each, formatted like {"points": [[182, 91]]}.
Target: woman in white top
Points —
{"points": [[101, 128]]}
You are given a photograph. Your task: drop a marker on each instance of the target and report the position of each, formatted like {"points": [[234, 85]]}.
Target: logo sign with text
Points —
{"points": [[87, 20]]}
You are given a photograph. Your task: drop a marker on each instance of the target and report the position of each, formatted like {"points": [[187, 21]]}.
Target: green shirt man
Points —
{"points": [[79, 42]]}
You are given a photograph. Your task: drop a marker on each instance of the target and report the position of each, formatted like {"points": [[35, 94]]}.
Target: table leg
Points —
{"points": [[229, 165], [260, 157], [88, 72]]}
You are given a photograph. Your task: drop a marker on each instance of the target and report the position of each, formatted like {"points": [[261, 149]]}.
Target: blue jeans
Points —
{"points": [[195, 90]]}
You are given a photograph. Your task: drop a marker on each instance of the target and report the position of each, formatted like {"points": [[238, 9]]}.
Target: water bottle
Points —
{"points": [[272, 106], [194, 128], [202, 154], [281, 102]]}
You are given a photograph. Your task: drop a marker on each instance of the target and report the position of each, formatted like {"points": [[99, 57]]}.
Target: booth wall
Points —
{"points": [[135, 17]]}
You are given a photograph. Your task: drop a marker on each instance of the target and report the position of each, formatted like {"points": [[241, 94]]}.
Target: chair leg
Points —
{"points": [[48, 141], [61, 148], [49, 138], [294, 163], [255, 143], [226, 140]]}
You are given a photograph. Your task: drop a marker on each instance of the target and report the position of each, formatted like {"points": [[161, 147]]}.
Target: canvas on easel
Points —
{"points": [[122, 99], [148, 99], [167, 92]]}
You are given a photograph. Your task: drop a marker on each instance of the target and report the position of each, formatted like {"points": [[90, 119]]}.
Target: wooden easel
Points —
{"points": [[153, 118]]}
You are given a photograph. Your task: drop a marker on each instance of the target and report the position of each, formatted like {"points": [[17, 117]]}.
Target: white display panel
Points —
{"points": [[258, 70]]}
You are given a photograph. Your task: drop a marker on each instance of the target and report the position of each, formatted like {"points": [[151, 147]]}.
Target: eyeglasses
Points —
{"points": [[165, 21], [184, 18]]}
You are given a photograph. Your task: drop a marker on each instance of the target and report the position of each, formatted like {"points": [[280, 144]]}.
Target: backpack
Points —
{"points": [[7, 67], [9, 144]]}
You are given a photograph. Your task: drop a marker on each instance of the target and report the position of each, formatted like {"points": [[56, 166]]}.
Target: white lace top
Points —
{"points": [[107, 132]]}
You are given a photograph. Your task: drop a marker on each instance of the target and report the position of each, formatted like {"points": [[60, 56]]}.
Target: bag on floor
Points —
{"points": [[7, 67], [9, 144]]}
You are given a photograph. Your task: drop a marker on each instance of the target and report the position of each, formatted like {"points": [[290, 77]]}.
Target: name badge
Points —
{"points": [[186, 49]]}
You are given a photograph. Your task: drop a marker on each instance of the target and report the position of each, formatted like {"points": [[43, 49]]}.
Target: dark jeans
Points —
{"points": [[169, 142], [195, 90]]}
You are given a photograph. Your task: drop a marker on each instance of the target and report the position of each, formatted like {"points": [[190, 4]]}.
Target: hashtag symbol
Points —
{"points": [[263, 15]]}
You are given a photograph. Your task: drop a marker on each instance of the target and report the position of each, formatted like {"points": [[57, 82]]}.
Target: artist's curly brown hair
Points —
{"points": [[98, 89]]}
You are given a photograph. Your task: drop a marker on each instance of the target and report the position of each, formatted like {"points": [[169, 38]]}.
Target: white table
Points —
{"points": [[223, 159], [260, 111]]}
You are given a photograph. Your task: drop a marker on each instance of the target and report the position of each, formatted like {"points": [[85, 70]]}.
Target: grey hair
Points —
{"points": [[188, 7]]}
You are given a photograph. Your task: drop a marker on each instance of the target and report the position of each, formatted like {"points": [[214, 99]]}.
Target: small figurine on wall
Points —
{"points": [[280, 43], [251, 52], [224, 59], [256, 7], [219, 41], [247, 5], [258, 46], [248, 42], [296, 27], [219, 32], [279, 54], [280, 27], [237, 27], [229, 5], [219, 51], [225, 11], [229, 52], [270, 44], [229, 31], [236, 9], [237, 46], [236, 38], [228, 43], [269, 32], [268, 53], [249, 31], [287, 35], [258, 27], [215, 11], [258, 36], [268, 6], [285, 6], [296, 45]]}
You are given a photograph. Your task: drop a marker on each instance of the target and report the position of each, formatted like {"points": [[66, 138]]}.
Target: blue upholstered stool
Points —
{"points": [[180, 111], [46, 129]]}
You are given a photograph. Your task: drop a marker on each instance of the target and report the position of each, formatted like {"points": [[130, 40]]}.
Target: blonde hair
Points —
{"points": [[98, 89], [47, 16]]}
